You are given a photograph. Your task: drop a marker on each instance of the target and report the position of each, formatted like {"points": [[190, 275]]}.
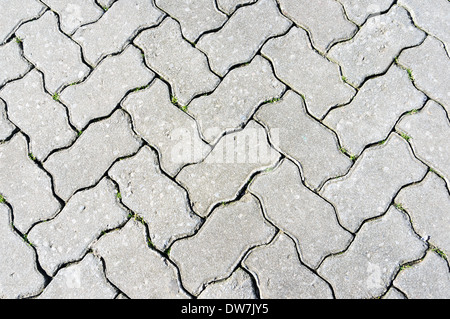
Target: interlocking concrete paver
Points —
{"points": [[301, 213], [115, 28], [430, 68], [106, 86], [38, 115], [359, 10], [394, 293], [52, 52], [298, 135], [238, 286], [429, 132], [195, 17], [243, 35], [6, 127], [227, 168], [84, 280], [173, 58], [429, 279], [134, 268], [229, 6], [222, 241], [327, 25], [84, 163], [12, 64], [307, 72], [373, 49], [368, 189], [374, 111], [19, 276], [280, 275], [145, 190], [82, 220], [236, 98], [25, 186], [16, 12], [175, 134], [366, 269]]}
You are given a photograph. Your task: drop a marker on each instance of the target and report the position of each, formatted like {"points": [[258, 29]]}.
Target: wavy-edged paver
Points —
{"points": [[430, 67], [146, 191], [227, 169], [85, 162], [24, 185], [238, 286], [38, 115], [373, 112], [243, 35], [299, 136], [195, 17], [134, 268], [221, 243], [373, 49], [106, 86], [327, 25], [115, 28], [12, 64], [82, 220], [395, 294], [307, 72], [83, 280], [174, 59], [367, 268], [52, 52], [429, 132], [281, 275], [229, 6], [236, 98], [429, 279], [174, 134], [359, 10], [6, 127], [292, 207], [368, 189]]}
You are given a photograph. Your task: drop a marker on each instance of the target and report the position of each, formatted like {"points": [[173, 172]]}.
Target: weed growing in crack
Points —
{"points": [[343, 150], [55, 97], [141, 88], [167, 251], [184, 108], [344, 79], [415, 111], [150, 244], [399, 207], [275, 99], [119, 195], [439, 252], [19, 40], [25, 238], [79, 133], [410, 74], [32, 157], [174, 100], [2, 199], [405, 136]]}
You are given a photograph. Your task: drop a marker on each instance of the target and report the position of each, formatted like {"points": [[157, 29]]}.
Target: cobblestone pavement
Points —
{"points": [[224, 149]]}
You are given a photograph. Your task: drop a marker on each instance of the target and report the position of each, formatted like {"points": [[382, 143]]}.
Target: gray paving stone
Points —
{"points": [[115, 28], [429, 131], [74, 14], [394, 293], [429, 279], [374, 111], [431, 16], [83, 164], [19, 276], [229, 6], [173, 58], [299, 136], [38, 115], [359, 10], [106, 86], [309, 219], [14, 13], [83, 280], [6, 127], [195, 17], [326, 26], [227, 168], [221, 243], [372, 50], [367, 268], [368, 189], [145, 190], [24, 185], [280, 275], [428, 204], [238, 286], [307, 72], [55, 54], [430, 67], [243, 35], [134, 268], [12, 64], [174, 134], [69, 236], [235, 100]]}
